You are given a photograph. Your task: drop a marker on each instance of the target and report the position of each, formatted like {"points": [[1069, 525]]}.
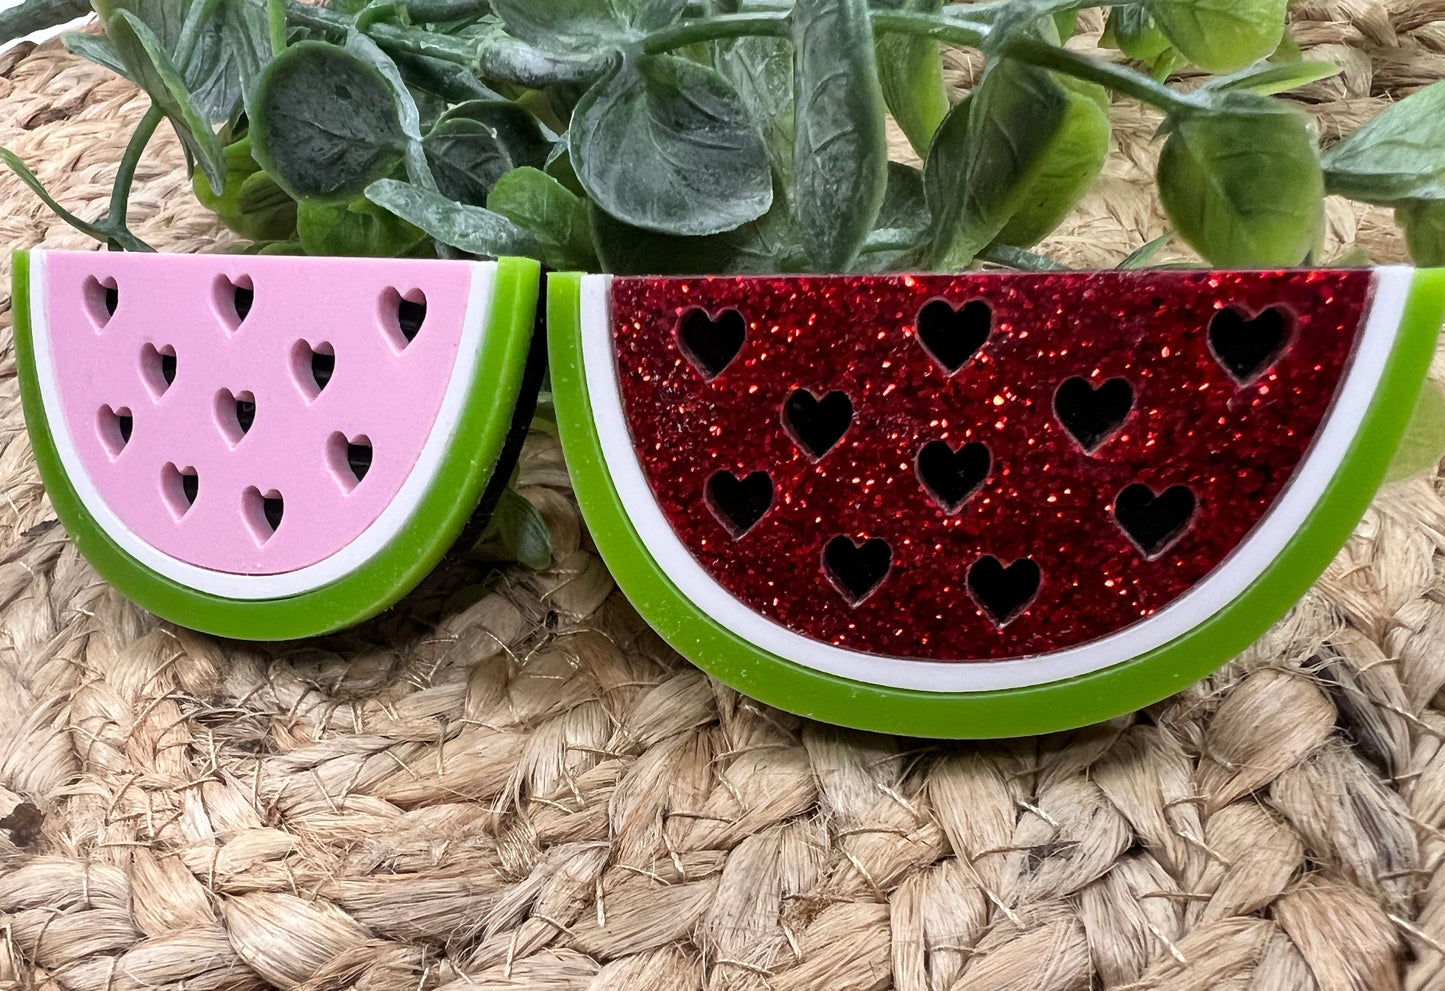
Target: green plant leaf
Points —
{"points": [[1020, 259], [150, 66], [504, 59], [37, 15], [1424, 224], [473, 229], [324, 123], [911, 71], [902, 224], [521, 530], [414, 153], [583, 25], [986, 155], [1066, 170], [840, 149], [95, 48], [1241, 182], [359, 229], [1141, 256], [251, 204], [1423, 445], [467, 158], [1400, 155], [1221, 35], [1131, 30], [760, 247], [556, 218], [1274, 77], [663, 144], [761, 70]]}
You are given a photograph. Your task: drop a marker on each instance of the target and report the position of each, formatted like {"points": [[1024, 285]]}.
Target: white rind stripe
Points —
{"points": [[1391, 290], [345, 561]]}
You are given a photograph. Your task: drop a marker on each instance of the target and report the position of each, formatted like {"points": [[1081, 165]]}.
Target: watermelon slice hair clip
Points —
{"points": [[952, 506], [980, 505]]}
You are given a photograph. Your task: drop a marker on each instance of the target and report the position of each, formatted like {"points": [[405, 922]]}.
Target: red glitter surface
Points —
{"points": [[1234, 446]]}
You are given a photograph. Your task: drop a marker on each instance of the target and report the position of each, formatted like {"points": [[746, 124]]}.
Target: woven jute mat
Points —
{"points": [[510, 783]]}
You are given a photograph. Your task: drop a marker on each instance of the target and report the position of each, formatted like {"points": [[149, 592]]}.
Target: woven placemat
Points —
{"points": [[510, 783]]}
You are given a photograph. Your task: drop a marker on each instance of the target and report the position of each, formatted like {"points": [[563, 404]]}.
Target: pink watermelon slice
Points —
{"points": [[269, 447], [980, 505]]}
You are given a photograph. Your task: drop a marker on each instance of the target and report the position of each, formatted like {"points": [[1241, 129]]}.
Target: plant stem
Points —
{"points": [[684, 33], [125, 171], [276, 25], [1118, 78], [950, 30]]}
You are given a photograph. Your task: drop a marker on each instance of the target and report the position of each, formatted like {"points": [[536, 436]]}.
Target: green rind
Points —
{"points": [[407, 559], [1015, 712]]}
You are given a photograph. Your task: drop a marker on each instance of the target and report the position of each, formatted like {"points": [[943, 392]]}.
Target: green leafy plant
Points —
{"points": [[733, 135]]}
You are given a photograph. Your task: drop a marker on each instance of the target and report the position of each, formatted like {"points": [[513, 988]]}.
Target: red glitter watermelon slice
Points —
{"points": [[984, 504], [269, 447]]}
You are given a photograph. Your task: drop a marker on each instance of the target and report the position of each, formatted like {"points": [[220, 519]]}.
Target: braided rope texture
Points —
{"points": [[510, 783]]}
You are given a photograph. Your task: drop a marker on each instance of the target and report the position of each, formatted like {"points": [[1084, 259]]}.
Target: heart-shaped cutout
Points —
{"points": [[711, 342], [1246, 347], [738, 503], [1154, 521], [350, 459], [1093, 415], [1004, 592], [179, 488], [313, 367], [950, 476], [857, 569], [236, 414], [817, 425], [954, 335], [115, 425]]}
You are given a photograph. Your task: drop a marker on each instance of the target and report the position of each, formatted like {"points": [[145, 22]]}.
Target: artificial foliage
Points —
{"points": [[734, 135]]}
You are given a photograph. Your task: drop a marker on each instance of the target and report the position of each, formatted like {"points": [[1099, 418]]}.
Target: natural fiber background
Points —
{"points": [[511, 784]]}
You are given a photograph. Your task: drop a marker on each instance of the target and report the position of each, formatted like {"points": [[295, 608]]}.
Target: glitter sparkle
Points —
{"points": [[1044, 499]]}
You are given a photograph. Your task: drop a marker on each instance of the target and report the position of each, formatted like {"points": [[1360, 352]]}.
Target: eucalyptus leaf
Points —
{"points": [[902, 224], [910, 69], [1064, 173], [325, 123], [1424, 224], [522, 531], [466, 159], [359, 229], [1131, 30], [251, 204], [664, 144], [582, 25], [505, 59], [1274, 77], [414, 154], [1400, 155], [517, 130], [555, 217], [761, 247], [472, 229], [1221, 35], [95, 48], [761, 70], [1241, 182], [151, 67], [986, 155], [1020, 259], [1141, 256], [37, 15], [840, 150], [1423, 445]]}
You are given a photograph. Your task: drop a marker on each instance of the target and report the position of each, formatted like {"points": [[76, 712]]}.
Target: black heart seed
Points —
{"points": [[816, 425], [1093, 415], [952, 336], [738, 503], [1004, 592], [711, 343], [1246, 347], [952, 476], [1153, 522], [856, 569]]}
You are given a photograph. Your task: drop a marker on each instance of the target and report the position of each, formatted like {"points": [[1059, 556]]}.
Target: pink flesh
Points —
{"points": [[391, 397]]}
